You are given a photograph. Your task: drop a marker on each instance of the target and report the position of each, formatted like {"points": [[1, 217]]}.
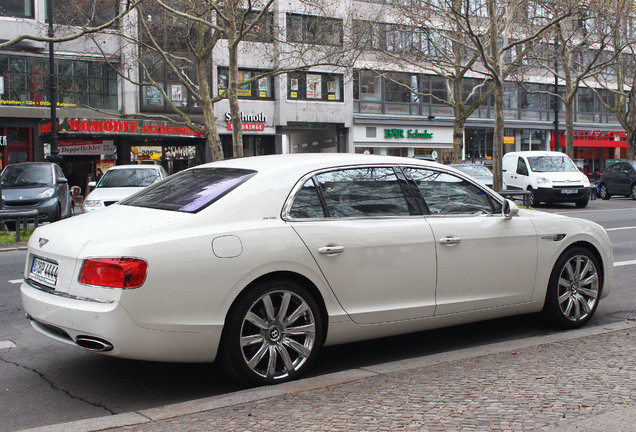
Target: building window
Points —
{"points": [[158, 78], [314, 30], [80, 83], [261, 88], [314, 86], [91, 13], [16, 8], [263, 30]]}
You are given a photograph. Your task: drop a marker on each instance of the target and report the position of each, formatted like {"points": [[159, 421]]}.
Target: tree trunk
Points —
{"points": [[212, 133], [497, 142], [235, 110], [458, 138]]}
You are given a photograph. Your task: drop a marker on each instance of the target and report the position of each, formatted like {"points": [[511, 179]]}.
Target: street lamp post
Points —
{"points": [[556, 95], [52, 86]]}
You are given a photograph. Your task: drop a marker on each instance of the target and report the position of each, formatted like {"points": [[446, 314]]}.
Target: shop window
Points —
{"points": [[260, 88], [314, 86], [26, 82], [16, 8], [314, 30]]}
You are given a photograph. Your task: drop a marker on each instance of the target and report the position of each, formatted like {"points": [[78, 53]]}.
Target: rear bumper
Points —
{"points": [[67, 319]]}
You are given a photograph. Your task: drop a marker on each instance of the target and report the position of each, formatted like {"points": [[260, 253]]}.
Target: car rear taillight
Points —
{"points": [[113, 272]]}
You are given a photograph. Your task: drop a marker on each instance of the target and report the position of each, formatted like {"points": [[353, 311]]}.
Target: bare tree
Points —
{"points": [[503, 32], [619, 79]]}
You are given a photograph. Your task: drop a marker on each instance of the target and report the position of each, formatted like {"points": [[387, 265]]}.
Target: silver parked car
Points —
{"points": [[36, 185]]}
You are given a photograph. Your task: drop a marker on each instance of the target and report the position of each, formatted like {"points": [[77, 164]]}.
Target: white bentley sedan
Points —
{"points": [[259, 262]]}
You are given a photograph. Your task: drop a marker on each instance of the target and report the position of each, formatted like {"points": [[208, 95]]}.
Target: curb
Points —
{"points": [[262, 393]]}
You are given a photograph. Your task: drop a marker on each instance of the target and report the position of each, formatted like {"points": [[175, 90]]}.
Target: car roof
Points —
{"points": [[313, 161], [529, 153]]}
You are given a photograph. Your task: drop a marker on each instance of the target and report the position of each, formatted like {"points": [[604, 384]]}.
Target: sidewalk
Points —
{"points": [[582, 380]]}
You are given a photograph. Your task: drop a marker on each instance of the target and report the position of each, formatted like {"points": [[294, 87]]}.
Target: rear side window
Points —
{"points": [[361, 192], [191, 190]]}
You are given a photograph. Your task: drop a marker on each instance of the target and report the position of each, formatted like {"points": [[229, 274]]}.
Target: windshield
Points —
{"points": [[27, 175], [552, 164], [133, 177], [190, 190]]}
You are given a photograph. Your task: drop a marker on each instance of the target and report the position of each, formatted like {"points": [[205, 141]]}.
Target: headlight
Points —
{"points": [[47, 193], [544, 180], [92, 203]]}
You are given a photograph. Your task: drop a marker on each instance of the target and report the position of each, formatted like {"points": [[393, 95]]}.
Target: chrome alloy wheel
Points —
{"points": [[278, 334], [578, 287]]}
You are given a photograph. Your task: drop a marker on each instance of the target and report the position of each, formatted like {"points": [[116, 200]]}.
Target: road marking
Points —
{"points": [[624, 263], [16, 281], [619, 229], [6, 344]]}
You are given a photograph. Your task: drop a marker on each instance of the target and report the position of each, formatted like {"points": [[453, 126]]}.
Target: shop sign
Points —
{"points": [[117, 127], [600, 135], [400, 133], [3, 141], [146, 152], [85, 147], [509, 140], [249, 122]]}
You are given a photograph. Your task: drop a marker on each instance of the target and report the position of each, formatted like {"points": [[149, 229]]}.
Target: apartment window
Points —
{"points": [[16, 8], [314, 86], [261, 88], [90, 13], [314, 30]]}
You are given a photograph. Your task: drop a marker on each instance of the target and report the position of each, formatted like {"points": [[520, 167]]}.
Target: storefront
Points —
{"points": [[16, 145], [410, 140], [86, 145], [259, 134], [592, 149]]}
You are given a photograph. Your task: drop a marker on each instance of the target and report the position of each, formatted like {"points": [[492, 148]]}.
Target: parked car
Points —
{"points": [[478, 171], [259, 262], [548, 176], [36, 185], [120, 182], [618, 179]]}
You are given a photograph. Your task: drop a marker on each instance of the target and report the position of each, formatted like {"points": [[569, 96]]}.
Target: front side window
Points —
{"points": [[191, 190], [450, 195], [363, 192]]}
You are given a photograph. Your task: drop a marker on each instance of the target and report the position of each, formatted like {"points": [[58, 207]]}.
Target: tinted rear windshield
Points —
{"points": [[191, 190]]}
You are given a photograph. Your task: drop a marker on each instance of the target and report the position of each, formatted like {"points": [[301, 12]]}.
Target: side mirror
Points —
{"points": [[62, 180], [509, 209], [92, 184]]}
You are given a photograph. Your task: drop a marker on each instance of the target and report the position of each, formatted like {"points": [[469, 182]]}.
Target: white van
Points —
{"points": [[549, 176]]}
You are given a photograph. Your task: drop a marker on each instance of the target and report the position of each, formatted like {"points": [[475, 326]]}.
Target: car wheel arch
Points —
{"points": [[284, 275], [590, 248]]}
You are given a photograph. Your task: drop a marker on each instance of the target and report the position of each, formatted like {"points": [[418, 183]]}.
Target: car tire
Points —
{"points": [[272, 333], [603, 193], [58, 213], [582, 202], [574, 289], [532, 198], [633, 195]]}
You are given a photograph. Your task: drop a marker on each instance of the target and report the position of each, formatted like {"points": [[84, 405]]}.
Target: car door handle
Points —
{"points": [[331, 250], [450, 240]]}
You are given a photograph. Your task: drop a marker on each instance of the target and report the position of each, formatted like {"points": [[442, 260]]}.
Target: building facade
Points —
{"points": [[369, 107]]}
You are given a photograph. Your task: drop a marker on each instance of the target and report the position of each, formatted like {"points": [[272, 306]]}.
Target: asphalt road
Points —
{"points": [[43, 382]]}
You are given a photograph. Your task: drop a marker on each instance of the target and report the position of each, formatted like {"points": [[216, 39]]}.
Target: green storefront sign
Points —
{"points": [[414, 134]]}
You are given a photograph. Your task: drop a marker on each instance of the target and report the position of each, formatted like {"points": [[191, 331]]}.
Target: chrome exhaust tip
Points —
{"points": [[93, 344]]}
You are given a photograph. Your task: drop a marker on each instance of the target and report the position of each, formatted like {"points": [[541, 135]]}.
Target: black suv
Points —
{"points": [[618, 179]]}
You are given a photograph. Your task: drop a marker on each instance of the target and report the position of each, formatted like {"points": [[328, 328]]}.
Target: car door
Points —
{"points": [[611, 178], [625, 177], [483, 260], [375, 250]]}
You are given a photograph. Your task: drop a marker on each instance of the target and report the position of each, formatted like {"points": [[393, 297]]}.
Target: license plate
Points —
{"points": [[569, 191], [44, 271]]}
